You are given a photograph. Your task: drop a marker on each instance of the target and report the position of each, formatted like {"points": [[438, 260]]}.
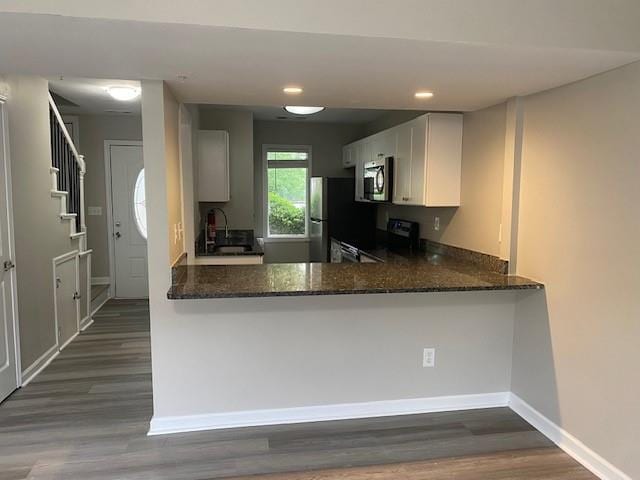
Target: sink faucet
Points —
{"points": [[226, 221]]}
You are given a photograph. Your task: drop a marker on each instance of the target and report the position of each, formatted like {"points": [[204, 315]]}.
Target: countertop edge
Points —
{"points": [[311, 293]]}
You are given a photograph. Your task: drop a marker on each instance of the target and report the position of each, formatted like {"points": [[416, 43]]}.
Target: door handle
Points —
{"points": [[77, 296], [118, 235], [8, 265]]}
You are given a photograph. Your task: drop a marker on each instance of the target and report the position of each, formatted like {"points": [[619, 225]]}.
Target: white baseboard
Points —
{"points": [[86, 323], [323, 413], [567, 442], [100, 281], [70, 340], [40, 364], [95, 310]]}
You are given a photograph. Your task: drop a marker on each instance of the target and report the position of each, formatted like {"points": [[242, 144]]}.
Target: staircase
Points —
{"points": [[67, 176]]}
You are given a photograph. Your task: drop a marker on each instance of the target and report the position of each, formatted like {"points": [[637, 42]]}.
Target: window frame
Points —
{"points": [[266, 148]]}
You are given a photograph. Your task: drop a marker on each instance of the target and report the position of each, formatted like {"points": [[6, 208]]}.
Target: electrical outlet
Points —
{"points": [[429, 357], [436, 224]]}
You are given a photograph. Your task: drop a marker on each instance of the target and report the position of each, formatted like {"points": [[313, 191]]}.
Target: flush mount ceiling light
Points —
{"points": [[300, 110], [292, 90], [424, 94], [123, 93]]}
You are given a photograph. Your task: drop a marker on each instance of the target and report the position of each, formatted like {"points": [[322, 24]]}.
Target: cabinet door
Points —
{"points": [[443, 160], [419, 129], [384, 144], [213, 166], [348, 155], [402, 164]]}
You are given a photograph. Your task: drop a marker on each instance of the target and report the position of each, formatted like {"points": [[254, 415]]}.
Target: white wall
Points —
{"points": [[239, 124], [576, 355], [40, 235], [94, 130], [248, 354], [474, 225]]}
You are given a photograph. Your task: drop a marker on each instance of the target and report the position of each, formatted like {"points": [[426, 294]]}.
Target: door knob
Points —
{"points": [[118, 224], [118, 235], [8, 265]]}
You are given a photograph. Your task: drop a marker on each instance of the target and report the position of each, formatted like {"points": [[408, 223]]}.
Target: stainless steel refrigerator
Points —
{"points": [[335, 214]]}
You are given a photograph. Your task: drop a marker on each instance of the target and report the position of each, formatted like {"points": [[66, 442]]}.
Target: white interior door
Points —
{"points": [[67, 312], [129, 221], [8, 335]]}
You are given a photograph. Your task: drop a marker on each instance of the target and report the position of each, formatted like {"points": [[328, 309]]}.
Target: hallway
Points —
{"points": [[86, 418]]}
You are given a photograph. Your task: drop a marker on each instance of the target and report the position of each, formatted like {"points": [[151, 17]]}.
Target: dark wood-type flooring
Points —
{"points": [[86, 418]]}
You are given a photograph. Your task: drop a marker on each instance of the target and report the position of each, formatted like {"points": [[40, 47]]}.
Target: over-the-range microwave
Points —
{"points": [[378, 179]]}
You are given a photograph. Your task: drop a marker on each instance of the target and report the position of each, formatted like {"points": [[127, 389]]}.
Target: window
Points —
{"points": [[286, 187], [139, 208]]}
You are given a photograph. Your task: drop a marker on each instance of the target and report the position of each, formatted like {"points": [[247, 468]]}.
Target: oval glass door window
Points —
{"points": [[139, 208]]}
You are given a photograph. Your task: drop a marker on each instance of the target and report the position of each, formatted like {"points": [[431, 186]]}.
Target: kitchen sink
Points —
{"points": [[231, 248]]}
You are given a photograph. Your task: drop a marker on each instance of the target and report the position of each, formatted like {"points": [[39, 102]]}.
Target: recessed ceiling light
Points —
{"points": [[123, 93], [300, 110], [292, 90], [424, 94]]}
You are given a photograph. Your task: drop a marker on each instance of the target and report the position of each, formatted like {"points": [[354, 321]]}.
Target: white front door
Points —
{"points": [[129, 221], [8, 335]]}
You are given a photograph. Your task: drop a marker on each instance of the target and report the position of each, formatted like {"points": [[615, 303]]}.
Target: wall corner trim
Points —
{"points": [[322, 413], [567, 442]]}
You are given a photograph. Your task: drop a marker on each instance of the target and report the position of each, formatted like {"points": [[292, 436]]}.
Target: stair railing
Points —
{"points": [[70, 169]]}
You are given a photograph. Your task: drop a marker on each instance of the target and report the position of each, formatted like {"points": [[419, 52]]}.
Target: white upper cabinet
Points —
{"points": [[427, 159], [402, 165], [443, 160], [349, 155], [213, 165]]}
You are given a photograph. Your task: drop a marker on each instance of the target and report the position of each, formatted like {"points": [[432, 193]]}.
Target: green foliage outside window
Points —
{"points": [[284, 217], [287, 200]]}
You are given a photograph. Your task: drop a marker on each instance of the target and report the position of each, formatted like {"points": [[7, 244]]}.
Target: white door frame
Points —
{"points": [[107, 178], [4, 132]]}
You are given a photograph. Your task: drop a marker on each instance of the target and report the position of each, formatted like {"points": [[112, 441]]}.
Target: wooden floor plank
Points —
{"points": [[85, 417]]}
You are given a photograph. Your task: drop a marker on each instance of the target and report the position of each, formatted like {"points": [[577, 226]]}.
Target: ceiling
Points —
{"points": [[330, 115], [90, 96], [249, 66]]}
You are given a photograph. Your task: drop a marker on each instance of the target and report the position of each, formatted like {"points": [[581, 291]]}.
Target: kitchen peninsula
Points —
{"points": [[393, 273]]}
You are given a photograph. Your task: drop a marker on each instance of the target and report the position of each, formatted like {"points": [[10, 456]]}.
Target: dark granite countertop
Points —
{"points": [[424, 273], [235, 238]]}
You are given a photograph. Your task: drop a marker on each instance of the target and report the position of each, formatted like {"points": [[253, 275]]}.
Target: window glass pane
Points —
{"points": [[139, 207], [287, 201], [287, 156]]}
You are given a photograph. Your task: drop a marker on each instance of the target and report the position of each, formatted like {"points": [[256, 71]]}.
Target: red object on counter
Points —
{"points": [[211, 225]]}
